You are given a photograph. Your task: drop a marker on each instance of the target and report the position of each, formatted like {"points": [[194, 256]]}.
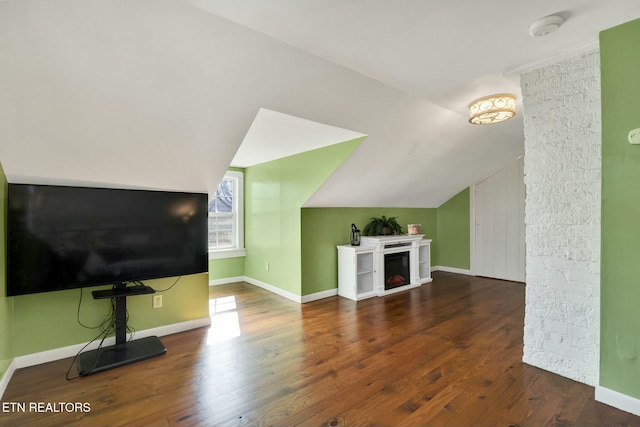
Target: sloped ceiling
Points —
{"points": [[274, 135], [161, 93]]}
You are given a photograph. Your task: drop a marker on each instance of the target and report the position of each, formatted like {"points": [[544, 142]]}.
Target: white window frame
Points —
{"points": [[238, 250]]}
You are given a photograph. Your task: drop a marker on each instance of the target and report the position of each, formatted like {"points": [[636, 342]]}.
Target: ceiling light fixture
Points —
{"points": [[546, 25], [492, 109]]}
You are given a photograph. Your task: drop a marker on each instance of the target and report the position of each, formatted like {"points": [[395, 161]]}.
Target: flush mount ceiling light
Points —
{"points": [[492, 109], [546, 25]]}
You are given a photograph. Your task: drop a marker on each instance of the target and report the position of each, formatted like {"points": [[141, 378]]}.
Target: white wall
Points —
{"points": [[562, 217], [160, 94]]}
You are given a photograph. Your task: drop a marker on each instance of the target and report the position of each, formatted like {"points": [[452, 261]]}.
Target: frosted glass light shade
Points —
{"points": [[492, 109]]}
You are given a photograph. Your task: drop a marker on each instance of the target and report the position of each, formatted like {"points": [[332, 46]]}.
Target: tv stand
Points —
{"points": [[123, 352]]}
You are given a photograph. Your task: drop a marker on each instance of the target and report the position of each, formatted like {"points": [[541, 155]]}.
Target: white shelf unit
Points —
{"points": [[361, 268], [365, 272], [356, 272], [424, 261]]}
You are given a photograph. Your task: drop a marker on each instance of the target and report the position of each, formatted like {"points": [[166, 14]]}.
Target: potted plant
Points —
{"points": [[382, 226]]}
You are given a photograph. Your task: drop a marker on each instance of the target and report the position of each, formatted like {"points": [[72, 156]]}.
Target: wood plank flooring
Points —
{"points": [[445, 354]]}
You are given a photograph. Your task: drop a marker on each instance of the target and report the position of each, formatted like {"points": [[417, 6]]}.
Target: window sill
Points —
{"points": [[227, 253]]}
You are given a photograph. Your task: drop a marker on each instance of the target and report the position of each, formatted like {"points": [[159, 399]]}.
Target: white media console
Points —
{"points": [[382, 265]]}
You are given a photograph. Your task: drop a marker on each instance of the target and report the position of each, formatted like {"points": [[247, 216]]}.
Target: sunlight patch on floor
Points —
{"points": [[225, 323]]}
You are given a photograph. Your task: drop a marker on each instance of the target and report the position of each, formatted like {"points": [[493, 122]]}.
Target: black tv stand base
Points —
{"points": [[123, 352], [114, 356]]}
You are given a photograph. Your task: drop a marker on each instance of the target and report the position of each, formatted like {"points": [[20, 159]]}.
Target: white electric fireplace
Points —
{"points": [[382, 265]]}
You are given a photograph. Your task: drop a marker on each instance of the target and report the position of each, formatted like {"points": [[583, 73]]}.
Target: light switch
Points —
{"points": [[634, 136]]}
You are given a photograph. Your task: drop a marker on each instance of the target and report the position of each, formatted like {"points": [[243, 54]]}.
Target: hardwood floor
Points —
{"points": [[445, 354]]}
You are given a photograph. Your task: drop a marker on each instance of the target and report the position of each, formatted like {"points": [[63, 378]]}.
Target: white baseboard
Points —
{"points": [[319, 295], [289, 295], [451, 270], [72, 350], [274, 289], [4, 381], [618, 400], [227, 280]]}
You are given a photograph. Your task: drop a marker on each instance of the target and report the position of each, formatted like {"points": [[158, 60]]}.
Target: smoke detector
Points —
{"points": [[545, 25]]}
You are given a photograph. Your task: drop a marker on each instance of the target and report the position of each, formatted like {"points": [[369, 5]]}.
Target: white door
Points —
{"points": [[499, 249]]}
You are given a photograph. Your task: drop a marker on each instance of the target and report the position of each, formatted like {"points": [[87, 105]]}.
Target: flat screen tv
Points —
{"points": [[62, 237]]}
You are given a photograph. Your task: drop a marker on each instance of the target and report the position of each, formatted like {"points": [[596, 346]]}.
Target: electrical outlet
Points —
{"points": [[266, 265], [157, 301]]}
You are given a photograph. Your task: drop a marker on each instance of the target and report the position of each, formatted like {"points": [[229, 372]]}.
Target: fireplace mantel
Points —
{"points": [[361, 269], [390, 240]]}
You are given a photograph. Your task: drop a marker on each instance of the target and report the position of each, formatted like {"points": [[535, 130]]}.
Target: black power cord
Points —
{"points": [[172, 285], [106, 325]]}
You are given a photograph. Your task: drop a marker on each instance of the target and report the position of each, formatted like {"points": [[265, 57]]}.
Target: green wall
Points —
{"points": [[226, 267], [325, 228], [48, 320], [274, 195], [620, 269], [454, 234], [6, 304]]}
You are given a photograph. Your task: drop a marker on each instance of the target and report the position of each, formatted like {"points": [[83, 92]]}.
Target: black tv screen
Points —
{"points": [[61, 237]]}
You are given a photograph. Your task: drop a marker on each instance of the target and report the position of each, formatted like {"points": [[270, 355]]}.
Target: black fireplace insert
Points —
{"points": [[396, 270]]}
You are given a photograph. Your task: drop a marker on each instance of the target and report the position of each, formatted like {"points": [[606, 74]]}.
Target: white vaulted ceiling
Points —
{"points": [[274, 135], [162, 93]]}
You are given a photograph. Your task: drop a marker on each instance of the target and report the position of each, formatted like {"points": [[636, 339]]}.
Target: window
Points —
{"points": [[225, 218]]}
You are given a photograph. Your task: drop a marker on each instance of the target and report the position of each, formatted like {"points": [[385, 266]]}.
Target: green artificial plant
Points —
{"points": [[382, 226]]}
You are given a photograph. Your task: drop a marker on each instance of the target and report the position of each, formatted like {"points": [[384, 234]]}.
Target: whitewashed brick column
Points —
{"points": [[562, 217]]}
